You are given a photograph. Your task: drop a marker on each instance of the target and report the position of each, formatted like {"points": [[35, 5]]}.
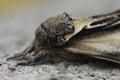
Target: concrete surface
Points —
{"points": [[17, 31]]}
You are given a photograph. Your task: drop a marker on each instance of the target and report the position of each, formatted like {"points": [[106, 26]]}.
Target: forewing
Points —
{"points": [[103, 44], [95, 22]]}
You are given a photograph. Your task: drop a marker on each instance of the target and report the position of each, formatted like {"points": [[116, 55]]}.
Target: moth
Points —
{"points": [[62, 38]]}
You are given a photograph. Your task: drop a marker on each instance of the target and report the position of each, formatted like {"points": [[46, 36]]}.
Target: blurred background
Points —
{"points": [[20, 18]]}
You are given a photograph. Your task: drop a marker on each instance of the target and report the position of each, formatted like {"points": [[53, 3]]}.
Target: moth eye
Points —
{"points": [[70, 27], [66, 27]]}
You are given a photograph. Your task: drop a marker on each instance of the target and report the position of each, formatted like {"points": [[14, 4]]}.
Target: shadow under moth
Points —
{"points": [[62, 38]]}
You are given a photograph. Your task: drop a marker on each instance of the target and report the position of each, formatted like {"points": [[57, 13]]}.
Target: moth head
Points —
{"points": [[54, 29]]}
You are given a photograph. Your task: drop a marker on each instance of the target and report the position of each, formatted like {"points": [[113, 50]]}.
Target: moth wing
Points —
{"points": [[94, 22], [103, 44], [117, 12]]}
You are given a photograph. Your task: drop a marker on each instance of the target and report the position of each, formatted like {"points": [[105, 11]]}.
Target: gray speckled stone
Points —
{"points": [[17, 31]]}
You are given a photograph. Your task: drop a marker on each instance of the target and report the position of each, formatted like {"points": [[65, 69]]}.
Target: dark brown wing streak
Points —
{"points": [[104, 21], [103, 44]]}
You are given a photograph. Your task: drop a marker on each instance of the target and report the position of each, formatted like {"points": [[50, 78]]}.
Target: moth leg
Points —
{"points": [[44, 56], [48, 57], [54, 56], [29, 49]]}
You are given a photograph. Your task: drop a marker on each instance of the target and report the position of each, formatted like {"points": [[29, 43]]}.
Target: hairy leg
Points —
{"points": [[46, 56], [29, 49]]}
